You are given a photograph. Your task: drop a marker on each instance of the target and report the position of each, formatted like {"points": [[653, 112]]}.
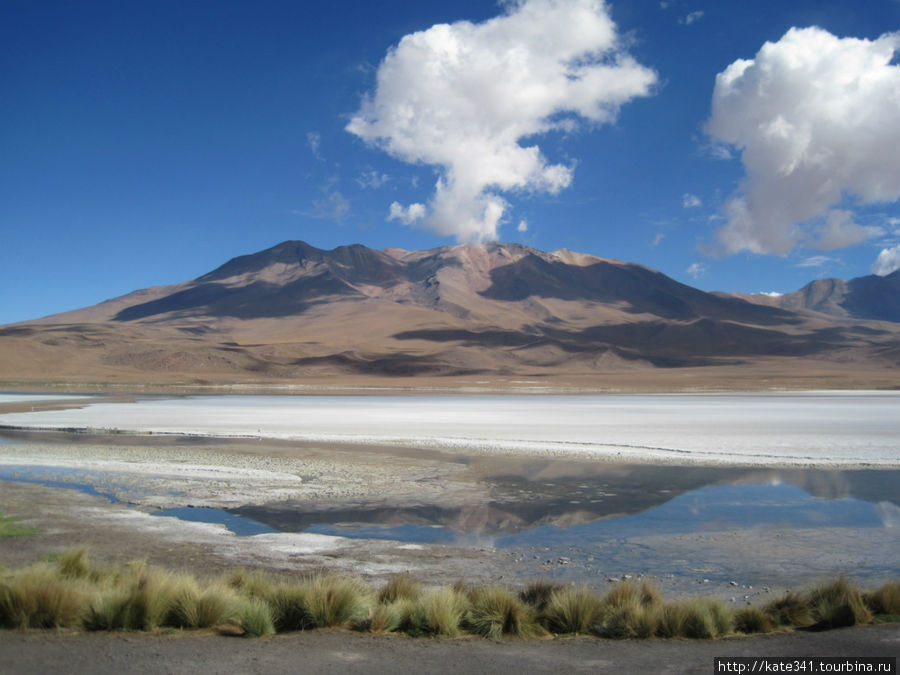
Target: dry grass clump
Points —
{"points": [[537, 593], [206, 607], [321, 601], [699, 618], [71, 592], [36, 597], [633, 611], [336, 601], [400, 587], [791, 609], [752, 620], [388, 617], [838, 604], [251, 583], [573, 610], [498, 611], [438, 613], [255, 617], [141, 598], [885, 600]]}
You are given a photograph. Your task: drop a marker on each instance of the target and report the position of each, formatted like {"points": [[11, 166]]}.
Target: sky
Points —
{"points": [[734, 146]]}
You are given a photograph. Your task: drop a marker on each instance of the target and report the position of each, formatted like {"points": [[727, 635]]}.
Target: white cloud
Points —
{"points": [[332, 206], [691, 18], [690, 201], [696, 270], [658, 239], [409, 215], [523, 226], [771, 294], [887, 261], [462, 96], [815, 117], [815, 261], [372, 179], [839, 231], [314, 141]]}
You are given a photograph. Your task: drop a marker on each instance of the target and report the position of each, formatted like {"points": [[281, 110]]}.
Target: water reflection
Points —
{"points": [[646, 501]]}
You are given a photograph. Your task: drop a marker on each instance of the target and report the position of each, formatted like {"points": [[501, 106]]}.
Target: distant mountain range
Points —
{"points": [[296, 313]]}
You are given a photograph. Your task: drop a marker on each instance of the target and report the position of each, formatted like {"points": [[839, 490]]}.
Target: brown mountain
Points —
{"points": [[473, 313], [871, 297]]}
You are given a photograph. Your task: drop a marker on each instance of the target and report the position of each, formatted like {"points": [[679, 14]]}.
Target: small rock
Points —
{"points": [[733, 583]]}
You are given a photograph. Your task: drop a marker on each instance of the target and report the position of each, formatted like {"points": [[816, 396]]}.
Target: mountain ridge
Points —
{"points": [[294, 312]]}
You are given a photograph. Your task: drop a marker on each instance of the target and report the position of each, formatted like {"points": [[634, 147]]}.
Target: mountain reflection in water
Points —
{"points": [[643, 501]]}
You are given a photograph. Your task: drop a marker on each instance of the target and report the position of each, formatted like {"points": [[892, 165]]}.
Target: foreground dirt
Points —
{"points": [[343, 652]]}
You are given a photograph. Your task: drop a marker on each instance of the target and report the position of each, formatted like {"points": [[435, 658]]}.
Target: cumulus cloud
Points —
{"points": [[461, 97], [523, 226], [409, 215], [690, 201], [887, 261], [815, 118]]}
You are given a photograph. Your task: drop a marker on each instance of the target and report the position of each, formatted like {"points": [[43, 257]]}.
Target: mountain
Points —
{"points": [[871, 297], [298, 314]]}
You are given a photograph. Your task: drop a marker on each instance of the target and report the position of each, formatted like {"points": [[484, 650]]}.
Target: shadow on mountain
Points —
{"points": [[644, 290], [254, 301], [395, 364], [663, 344]]}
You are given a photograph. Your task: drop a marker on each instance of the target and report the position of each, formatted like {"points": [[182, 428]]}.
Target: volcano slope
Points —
{"points": [[481, 316]]}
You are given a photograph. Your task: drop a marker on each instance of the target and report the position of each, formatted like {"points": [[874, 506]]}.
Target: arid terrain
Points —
{"points": [[497, 317]]}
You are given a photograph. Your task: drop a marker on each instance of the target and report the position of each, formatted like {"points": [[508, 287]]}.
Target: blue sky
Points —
{"points": [[145, 143]]}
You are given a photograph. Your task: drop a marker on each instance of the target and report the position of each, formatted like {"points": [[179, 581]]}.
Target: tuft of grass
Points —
{"points": [[438, 613], [537, 594], [498, 611], [255, 617], [791, 609], [631, 593], [290, 608], [9, 527], [573, 610], [699, 618], [885, 600], [633, 610], [251, 583], [336, 601], [323, 600], [401, 587], [388, 617], [838, 604], [36, 597], [74, 564], [752, 620], [204, 608]]}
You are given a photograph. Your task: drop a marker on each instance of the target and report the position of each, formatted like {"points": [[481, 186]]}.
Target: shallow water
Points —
{"points": [[58, 477]]}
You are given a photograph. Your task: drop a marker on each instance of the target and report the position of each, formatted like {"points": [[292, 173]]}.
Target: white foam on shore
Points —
{"points": [[805, 428]]}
